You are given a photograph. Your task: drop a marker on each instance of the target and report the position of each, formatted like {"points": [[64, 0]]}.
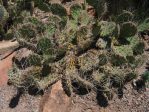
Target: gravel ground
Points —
{"points": [[132, 101], [27, 103]]}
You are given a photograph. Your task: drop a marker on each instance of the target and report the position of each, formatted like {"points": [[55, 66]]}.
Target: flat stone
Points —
{"points": [[56, 100]]}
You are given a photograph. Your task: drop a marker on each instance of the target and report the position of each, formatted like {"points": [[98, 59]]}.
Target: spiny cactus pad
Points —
{"points": [[3, 15], [128, 29], [107, 28], [58, 9], [125, 17], [144, 25], [75, 11]]}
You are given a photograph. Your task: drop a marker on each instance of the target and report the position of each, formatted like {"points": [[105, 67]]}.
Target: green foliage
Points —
{"points": [[34, 60], [107, 28], [43, 6], [15, 77], [145, 76], [50, 29], [40, 27], [128, 29], [27, 31], [138, 48], [44, 45], [75, 11], [125, 17], [58, 9], [84, 18], [98, 50], [118, 60], [123, 50], [144, 25]]}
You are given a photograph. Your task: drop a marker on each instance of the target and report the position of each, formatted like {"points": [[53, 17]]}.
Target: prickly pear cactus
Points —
{"points": [[73, 46]]}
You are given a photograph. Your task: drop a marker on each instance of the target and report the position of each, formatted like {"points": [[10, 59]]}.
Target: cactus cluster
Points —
{"points": [[75, 47]]}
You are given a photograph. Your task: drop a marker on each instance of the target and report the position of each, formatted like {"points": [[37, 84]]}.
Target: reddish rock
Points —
{"points": [[57, 100], [5, 65]]}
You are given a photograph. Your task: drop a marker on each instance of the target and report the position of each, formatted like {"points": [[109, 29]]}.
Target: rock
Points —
{"points": [[56, 100], [146, 37], [7, 46], [5, 65]]}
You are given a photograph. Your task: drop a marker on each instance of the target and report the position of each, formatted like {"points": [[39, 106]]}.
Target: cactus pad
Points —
{"points": [[107, 28], [128, 29], [3, 14], [75, 11]]}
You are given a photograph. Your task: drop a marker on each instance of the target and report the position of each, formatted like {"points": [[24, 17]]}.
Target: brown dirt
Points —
{"points": [[5, 65], [26, 103], [132, 101], [56, 101]]}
